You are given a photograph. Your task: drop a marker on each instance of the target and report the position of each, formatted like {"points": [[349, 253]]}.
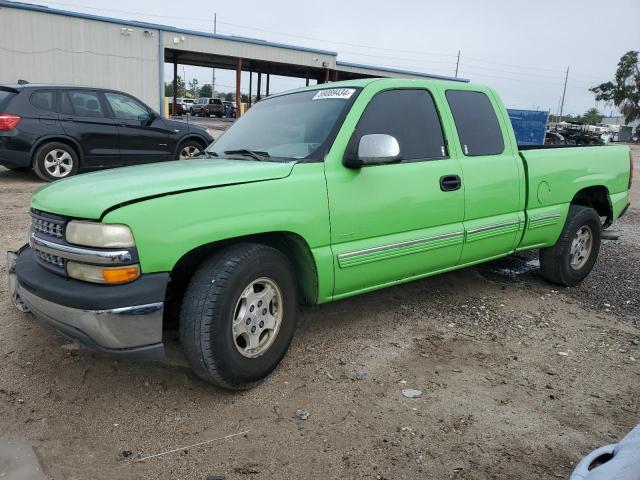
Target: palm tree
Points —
{"points": [[592, 116]]}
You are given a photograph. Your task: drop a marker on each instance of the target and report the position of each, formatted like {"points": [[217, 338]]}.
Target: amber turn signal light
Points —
{"points": [[120, 275]]}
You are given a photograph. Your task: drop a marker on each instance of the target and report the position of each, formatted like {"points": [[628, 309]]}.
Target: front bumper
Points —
{"points": [[119, 319]]}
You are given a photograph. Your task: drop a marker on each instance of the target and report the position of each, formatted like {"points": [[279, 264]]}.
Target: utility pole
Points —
{"points": [[457, 63], [213, 74], [564, 91]]}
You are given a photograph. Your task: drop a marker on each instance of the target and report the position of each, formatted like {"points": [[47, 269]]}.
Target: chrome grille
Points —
{"points": [[53, 260], [48, 227]]}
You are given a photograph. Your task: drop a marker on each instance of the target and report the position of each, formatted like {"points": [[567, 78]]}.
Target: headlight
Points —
{"points": [[95, 234], [100, 274]]}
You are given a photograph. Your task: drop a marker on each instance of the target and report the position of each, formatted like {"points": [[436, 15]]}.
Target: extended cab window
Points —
{"points": [[86, 104], [476, 122], [44, 100], [411, 117]]}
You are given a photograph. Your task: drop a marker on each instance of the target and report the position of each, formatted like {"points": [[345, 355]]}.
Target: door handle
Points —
{"points": [[67, 119], [450, 183]]}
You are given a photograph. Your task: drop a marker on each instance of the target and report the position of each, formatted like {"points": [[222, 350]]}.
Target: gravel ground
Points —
{"points": [[519, 379]]}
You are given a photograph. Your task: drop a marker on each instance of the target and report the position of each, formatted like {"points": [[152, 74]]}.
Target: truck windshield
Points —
{"points": [[292, 126]]}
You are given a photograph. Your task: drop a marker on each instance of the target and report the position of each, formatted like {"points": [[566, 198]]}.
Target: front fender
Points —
{"points": [[167, 228]]}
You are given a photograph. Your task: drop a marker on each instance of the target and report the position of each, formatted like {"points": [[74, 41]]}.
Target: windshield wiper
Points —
{"points": [[251, 153], [206, 154]]}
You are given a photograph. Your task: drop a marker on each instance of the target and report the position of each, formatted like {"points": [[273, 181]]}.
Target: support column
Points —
{"points": [[268, 75], [259, 86], [238, 79], [175, 87], [250, 86], [326, 76], [307, 78]]}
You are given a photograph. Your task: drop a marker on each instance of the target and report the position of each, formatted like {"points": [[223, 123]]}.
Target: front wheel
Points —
{"points": [[571, 259], [239, 315], [189, 149]]}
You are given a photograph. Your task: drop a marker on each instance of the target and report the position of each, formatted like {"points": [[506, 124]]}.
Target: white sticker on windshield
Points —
{"points": [[342, 93]]}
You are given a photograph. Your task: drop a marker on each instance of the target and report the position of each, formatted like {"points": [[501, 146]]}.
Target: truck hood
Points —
{"points": [[90, 195]]}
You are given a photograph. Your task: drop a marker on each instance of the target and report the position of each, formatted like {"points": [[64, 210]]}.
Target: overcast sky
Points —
{"points": [[521, 48]]}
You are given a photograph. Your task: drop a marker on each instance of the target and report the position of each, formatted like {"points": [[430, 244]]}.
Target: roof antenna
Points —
{"points": [[23, 82]]}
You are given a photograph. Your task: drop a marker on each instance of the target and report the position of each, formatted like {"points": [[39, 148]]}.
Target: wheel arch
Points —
{"points": [[59, 139], [292, 245], [598, 198]]}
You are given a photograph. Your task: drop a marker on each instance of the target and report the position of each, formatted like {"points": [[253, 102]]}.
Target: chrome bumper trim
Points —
{"points": [[113, 329], [79, 254]]}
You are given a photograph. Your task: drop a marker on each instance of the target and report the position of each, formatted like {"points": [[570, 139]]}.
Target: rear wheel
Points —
{"points": [[53, 161], [571, 259], [238, 315]]}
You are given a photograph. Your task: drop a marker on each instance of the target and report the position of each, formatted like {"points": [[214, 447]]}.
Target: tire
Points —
{"points": [[189, 149], [54, 161], [560, 264], [191, 112], [214, 298]]}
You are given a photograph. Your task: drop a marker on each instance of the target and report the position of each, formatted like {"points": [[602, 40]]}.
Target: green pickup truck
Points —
{"points": [[314, 195]]}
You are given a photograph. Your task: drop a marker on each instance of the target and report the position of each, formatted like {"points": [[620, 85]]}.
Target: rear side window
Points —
{"points": [[5, 98], [411, 117], [476, 122], [86, 104], [65, 104], [44, 100]]}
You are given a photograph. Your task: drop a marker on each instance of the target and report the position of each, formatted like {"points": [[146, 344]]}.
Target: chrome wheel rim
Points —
{"points": [[188, 152], [58, 163], [581, 247], [257, 317]]}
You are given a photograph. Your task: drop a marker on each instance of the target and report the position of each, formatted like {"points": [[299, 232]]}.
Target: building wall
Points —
{"points": [[42, 48]]}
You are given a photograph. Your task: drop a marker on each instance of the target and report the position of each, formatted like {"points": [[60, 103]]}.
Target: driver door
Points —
{"points": [[396, 221], [143, 135]]}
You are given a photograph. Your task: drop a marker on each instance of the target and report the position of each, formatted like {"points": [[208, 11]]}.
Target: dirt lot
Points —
{"points": [[519, 379]]}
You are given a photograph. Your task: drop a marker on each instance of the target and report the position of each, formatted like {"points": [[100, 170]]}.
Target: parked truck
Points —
{"points": [[314, 195]]}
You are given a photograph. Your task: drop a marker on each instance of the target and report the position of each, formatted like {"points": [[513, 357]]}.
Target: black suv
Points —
{"points": [[61, 130]]}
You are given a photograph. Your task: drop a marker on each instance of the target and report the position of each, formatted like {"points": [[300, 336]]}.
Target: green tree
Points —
{"points": [[624, 91], [194, 89], [168, 88], [244, 98], [592, 116], [228, 96], [205, 91]]}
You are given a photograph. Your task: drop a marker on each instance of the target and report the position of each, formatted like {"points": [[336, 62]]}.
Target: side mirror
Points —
{"points": [[375, 149]]}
